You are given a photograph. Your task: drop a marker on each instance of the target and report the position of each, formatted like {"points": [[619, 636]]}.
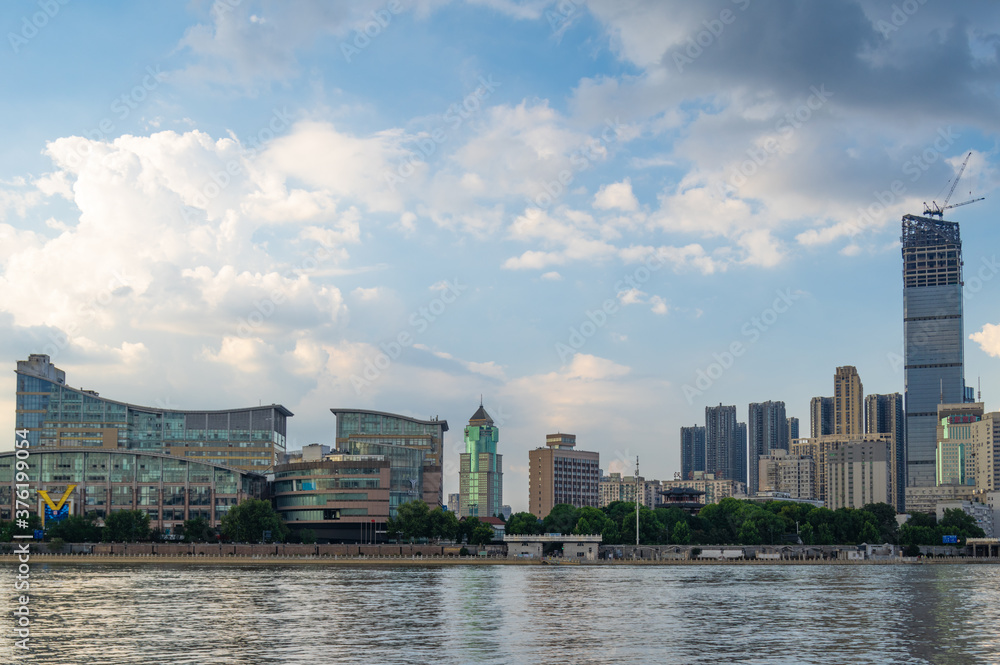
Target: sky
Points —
{"points": [[598, 217]]}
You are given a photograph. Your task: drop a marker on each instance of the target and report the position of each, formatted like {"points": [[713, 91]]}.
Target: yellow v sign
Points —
{"points": [[56, 507]]}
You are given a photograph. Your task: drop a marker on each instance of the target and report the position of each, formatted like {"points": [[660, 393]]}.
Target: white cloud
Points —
{"points": [[988, 339], [616, 195]]}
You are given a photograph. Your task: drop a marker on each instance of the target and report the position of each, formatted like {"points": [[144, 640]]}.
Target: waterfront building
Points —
{"points": [[819, 449], [767, 428], [101, 481], [725, 443], [884, 415], [858, 474], [715, 489], [848, 402], [933, 336], [57, 416], [985, 453], [480, 477], [688, 500], [342, 497], [926, 499], [784, 473], [615, 487], [981, 512], [414, 448], [820, 417], [692, 450], [559, 474], [954, 462]]}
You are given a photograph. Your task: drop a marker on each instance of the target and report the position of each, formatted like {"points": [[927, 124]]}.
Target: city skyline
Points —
{"points": [[600, 221]]}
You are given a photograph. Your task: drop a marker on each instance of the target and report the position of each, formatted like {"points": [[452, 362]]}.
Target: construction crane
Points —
{"points": [[935, 210]]}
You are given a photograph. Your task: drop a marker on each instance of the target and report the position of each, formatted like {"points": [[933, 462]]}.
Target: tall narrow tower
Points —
{"points": [[848, 402], [480, 477], [933, 336]]}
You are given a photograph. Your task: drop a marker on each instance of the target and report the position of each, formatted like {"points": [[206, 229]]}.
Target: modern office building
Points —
{"points": [[954, 462], [480, 478], [820, 417], [858, 474], [558, 473], [848, 402], [793, 428], [81, 481], [725, 443], [933, 336], [341, 498], [58, 416], [616, 487], [767, 430], [414, 447], [692, 450], [884, 415]]}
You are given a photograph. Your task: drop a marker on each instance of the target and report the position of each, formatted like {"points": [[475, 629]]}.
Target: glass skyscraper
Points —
{"points": [[933, 336], [480, 477]]}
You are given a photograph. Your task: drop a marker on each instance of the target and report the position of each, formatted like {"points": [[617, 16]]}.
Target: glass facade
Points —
{"points": [[170, 490], [933, 336], [480, 477], [58, 416]]}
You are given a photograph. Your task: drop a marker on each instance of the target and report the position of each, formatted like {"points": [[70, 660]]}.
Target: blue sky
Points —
{"points": [[204, 205]]}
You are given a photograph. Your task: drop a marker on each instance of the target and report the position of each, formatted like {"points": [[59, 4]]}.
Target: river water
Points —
{"points": [[253, 615]]}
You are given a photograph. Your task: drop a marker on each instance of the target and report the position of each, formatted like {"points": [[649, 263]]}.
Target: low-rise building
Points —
{"points": [[926, 499], [615, 487], [981, 512], [715, 489]]}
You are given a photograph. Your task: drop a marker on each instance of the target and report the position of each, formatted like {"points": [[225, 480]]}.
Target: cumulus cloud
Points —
{"points": [[988, 339]]}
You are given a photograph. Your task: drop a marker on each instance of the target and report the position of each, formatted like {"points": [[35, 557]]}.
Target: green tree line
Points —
{"points": [[736, 522], [416, 521]]}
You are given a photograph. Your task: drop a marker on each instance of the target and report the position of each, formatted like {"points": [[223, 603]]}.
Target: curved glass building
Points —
{"points": [[56, 415]]}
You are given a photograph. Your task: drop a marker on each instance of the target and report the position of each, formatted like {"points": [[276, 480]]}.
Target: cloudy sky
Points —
{"points": [[578, 210]]}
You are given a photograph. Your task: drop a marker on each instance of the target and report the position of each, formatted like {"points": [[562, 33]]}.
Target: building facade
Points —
{"points": [[414, 447], [954, 462], [783, 473], [57, 416], [767, 430], [820, 417], [342, 497], [884, 415], [715, 489], [99, 481], [692, 450], [480, 477], [820, 450], [559, 474], [725, 443], [933, 336], [615, 487], [793, 429], [848, 402], [985, 453], [858, 474]]}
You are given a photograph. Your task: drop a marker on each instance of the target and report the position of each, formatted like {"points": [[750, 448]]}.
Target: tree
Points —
{"points": [[481, 534], [869, 533], [56, 545], [412, 521], [198, 530], [885, 520], [681, 534], [593, 521], [75, 529], [126, 526], [308, 536], [523, 524], [562, 519], [806, 533], [961, 523], [247, 521], [749, 534], [442, 524]]}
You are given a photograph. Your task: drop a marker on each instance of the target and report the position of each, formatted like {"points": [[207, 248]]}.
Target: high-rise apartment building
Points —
{"points": [[985, 452], [692, 450], [767, 430], [615, 487], [858, 474], [725, 443], [933, 336], [56, 415], [414, 447], [480, 477], [820, 449], [793, 429], [884, 415], [848, 402], [954, 462], [781, 471], [559, 473], [820, 417]]}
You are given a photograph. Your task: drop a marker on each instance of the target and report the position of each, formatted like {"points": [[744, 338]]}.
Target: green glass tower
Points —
{"points": [[481, 475]]}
